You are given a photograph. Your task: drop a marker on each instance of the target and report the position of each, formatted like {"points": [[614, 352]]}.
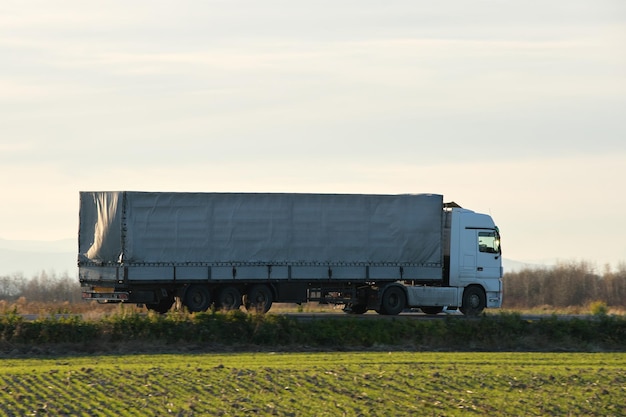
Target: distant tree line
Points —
{"points": [[565, 285], [42, 288]]}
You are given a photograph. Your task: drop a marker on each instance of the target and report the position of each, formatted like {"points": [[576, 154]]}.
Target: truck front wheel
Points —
{"points": [[474, 301], [393, 301], [197, 298]]}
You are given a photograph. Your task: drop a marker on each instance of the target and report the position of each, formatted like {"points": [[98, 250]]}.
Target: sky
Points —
{"points": [[512, 108]]}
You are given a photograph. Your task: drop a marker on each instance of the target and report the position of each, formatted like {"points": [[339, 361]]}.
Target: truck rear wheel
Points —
{"points": [[163, 306], [197, 298], [228, 298], [258, 299], [393, 301], [474, 301]]}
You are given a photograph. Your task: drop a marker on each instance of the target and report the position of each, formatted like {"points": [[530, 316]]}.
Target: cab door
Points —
{"points": [[488, 262], [480, 253]]}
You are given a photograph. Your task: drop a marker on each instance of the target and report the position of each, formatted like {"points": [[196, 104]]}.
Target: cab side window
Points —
{"points": [[488, 242]]}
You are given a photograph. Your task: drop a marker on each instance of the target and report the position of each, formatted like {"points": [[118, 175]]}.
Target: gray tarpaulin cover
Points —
{"points": [[271, 228]]}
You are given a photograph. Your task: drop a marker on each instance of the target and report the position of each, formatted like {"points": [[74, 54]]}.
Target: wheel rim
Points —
{"points": [[230, 298], [197, 298], [474, 301], [259, 299], [393, 301]]}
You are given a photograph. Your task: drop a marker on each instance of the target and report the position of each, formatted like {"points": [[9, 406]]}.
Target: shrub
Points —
{"points": [[599, 308]]}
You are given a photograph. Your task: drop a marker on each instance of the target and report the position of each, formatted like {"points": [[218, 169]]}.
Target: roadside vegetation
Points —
{"points": [[131, 332]]}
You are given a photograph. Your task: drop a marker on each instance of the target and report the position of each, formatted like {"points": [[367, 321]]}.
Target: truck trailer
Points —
{"points": [[387, 253]]}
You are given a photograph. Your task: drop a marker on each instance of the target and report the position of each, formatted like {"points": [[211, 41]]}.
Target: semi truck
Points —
{"points": [[386, 253]]}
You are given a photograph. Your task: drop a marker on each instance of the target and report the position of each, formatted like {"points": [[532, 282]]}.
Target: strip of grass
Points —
{"points": [[317, 384], [236, 330]]}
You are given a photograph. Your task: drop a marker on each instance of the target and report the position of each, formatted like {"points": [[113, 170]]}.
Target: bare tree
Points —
{"points": [[566, 285]]}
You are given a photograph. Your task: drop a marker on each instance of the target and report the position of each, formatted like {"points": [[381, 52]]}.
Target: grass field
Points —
{"points": [[317, 384]]}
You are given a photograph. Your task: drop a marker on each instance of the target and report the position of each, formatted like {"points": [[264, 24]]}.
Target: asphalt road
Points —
{"points": [[422, 316], [373, 316]]}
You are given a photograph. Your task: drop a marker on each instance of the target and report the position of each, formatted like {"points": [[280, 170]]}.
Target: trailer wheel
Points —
{"points": [[432, 310], [163, 306], [197, 298], [474, 301], [393, 301], [229, 298], [355, 309], [258, 299]]}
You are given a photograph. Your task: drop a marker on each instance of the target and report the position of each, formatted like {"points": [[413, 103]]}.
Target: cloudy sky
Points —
{"points": [[513, 108]]}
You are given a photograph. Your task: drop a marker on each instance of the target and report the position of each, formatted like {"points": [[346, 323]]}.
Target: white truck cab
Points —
{"points": [[473, 273], [476, 255]]}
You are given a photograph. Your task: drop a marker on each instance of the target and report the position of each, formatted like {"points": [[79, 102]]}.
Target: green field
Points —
{"points": [[317, 384]]}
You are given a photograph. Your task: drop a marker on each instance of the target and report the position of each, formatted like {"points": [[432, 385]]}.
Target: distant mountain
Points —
{"points": [[516, 266], [30, 258]]}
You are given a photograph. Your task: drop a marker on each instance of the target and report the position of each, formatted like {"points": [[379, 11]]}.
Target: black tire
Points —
{"points": [[356, 309], [163, 306], [197, 298], [228, 298], [474, 301], [393, 301], [258, 299], [431, 310]]}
